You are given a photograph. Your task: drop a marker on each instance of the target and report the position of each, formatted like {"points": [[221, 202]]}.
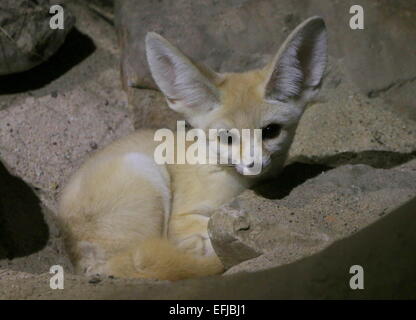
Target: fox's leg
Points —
{"points": [[189, 231], [186, 253], [195, 194]]}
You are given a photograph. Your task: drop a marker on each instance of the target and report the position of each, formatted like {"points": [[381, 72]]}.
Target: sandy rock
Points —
{"points": [[400, 96], [329, 207], [377, 56], [44, 138], [26, 38], [50, 123], [348, 127], [47, 133]]}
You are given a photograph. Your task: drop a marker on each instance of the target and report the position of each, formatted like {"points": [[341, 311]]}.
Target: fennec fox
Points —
{"points": [[122, 214]]}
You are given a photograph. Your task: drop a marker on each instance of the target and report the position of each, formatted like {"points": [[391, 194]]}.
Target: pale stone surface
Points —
{"points": [[347, 127], [331, 206]]}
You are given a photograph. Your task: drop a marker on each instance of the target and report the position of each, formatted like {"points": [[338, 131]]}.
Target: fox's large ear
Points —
{"points": [[189, 89], [297, 69]]}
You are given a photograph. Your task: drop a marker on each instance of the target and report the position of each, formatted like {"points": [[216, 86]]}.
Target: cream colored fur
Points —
{"points": [[124, 215]]}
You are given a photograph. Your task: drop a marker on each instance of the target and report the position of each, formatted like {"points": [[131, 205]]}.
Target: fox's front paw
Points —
{"points": [[197, 245]]}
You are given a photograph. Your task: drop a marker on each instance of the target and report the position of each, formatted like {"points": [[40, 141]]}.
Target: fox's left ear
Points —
{"points": [[296, 71], [190, 89]]}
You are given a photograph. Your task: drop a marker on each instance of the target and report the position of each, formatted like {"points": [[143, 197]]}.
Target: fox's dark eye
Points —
{"points": [[270, 131]]}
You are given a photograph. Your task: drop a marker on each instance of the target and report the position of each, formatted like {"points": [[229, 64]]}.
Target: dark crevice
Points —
{"points": [[307, 168], [75, 49], [292, 176], [373, 158], [141, 87], [23, 230]]}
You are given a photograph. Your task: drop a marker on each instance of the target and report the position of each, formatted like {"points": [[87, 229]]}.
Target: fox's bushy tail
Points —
{"points": [[160, 259]]}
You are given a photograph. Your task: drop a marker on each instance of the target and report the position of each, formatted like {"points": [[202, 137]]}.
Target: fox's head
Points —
{"points": [[271, 99]]}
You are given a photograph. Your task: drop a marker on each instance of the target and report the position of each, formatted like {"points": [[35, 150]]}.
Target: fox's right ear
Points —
{"points": [[296, 71], [188, 88]]}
